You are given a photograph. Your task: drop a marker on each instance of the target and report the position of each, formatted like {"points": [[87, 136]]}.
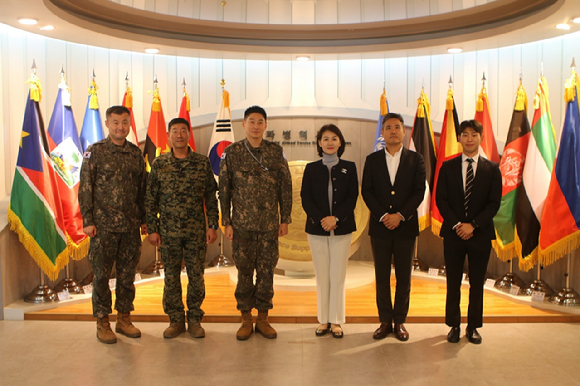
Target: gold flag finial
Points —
{"points": [[33, 67], [127, 79], [93, 76], [61, 72], [223, 83], [35, 86], [573, 65], [450, 82]]}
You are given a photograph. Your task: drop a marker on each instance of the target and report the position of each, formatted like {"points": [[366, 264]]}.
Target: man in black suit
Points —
{"points": [[468, 196], [393, 187]]}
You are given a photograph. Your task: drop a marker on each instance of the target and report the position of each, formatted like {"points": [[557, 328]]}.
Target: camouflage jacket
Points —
{"points": [[177, 190], [255, 193], [112, 186]]}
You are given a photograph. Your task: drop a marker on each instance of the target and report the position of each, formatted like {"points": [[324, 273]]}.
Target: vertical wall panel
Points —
{"points": [[280, 84], [303, 12], [326, 83], [326, 12]]}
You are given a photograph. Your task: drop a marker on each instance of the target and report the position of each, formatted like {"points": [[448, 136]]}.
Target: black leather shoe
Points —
{"points": [[472, 335], [453, 336], [401, 332], [321, 332], [383, 330]]}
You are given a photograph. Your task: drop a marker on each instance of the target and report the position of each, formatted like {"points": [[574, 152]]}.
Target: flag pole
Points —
{"points": [[567, 296], [539, 285]]}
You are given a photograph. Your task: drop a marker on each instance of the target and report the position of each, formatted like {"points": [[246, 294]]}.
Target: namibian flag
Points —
{"points": [[379, 140], [535, 179], [512, 168], [92, 130], [35, 212], [184, 113], [561, 218], [156, 142], [222, 135], [448, 148], [488, 147], [423, 142], [128, 103]]}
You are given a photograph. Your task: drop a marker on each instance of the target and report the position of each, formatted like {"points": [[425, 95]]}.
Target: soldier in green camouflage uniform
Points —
{"points": [[111, 197], [179, 184], [256, 201]]}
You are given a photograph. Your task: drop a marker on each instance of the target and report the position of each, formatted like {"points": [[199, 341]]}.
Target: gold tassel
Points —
{"points": [[424, 222], [35, 88], [383, 103], [435, 227], [525, 262], [129, 98], [156, 106], [226, 98], [187, 103], [504, 252], [571, 86], [79, 251], [421, 106], [94, 100], [449, 102], [521, 99], [560, 249]]}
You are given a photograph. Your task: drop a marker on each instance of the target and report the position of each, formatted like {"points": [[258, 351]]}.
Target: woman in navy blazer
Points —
{"points": [[329, 193]]}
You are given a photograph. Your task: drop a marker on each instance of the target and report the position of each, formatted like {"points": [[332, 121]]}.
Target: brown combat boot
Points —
{"points": [[246, 328], [174, 330], [125, 327], [195, 330], [104, 332], [263, 327]]}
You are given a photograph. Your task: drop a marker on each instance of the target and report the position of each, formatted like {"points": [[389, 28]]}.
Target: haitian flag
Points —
{"points": [[488, 147], [184, 110], [560, 223], [384, 105], [535, 180], [222, 135], [449, 148], [35, 212], [512, 168], [92, 130], [156, 142], [423, 142], [128, 103], [64, 145]]}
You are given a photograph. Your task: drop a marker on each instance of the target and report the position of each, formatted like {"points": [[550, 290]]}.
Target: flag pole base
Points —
{"points": [[68, 284], [419, 265], [442, 270], [221, 261], [566, 297], [41, 294], [508, 280], [154, 268], [538, 286]]}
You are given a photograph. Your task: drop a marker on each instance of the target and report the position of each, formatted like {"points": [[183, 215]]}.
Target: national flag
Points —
{"points": [[156, 142], [536, 179], [560, 223], [128, 103], [92, 130], [512, 167], [423, 142], [35, 212], [64, 146], [384, 107], [488, 147], [449, 148], [184, 113], [222, 135]]}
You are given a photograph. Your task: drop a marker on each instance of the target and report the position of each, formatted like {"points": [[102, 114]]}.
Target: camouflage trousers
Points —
{"points": [[124, 250], [255, 251], [173, 251]]}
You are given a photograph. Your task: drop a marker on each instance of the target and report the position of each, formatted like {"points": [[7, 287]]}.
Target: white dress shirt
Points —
{"points": [[393, 162]]}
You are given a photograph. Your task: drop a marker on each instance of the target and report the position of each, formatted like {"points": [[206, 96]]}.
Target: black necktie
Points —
{"points": [[468, 184]]}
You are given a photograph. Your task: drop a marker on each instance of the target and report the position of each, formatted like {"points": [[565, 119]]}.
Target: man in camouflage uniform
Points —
{"points": [[256, 201], [111, 197], [179, 184]]}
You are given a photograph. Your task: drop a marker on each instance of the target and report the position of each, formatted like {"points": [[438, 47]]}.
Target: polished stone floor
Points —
{"points": [[67, 353]]}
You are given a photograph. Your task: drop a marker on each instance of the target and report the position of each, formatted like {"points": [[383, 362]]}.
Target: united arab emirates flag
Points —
{"points": [[512, 167]]}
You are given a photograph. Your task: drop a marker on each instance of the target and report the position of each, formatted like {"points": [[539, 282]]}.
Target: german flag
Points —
{"points": [[156, 142]]}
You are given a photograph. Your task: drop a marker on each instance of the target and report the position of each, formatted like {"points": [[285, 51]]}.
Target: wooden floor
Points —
{"points": [[427, 305]]}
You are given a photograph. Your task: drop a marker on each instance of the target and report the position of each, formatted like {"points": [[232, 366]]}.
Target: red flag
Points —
{"points": [[488, 147], [128, 103], [184, 113], [156, 142]]}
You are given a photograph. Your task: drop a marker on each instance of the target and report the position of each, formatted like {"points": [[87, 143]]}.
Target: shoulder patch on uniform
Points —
{"points": [[87, 155], [223, 155], [284, 154]]}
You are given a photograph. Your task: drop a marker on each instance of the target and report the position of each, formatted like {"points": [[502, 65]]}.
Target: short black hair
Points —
{"points": [[117, 110], [390, 116], [335, 130], [176, 121], [470, 123], [255, 109]]}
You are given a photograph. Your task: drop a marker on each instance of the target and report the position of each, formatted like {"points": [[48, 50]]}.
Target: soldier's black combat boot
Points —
{"points": [[263, 327], [104, 332], [125, 327], [246, 328]]}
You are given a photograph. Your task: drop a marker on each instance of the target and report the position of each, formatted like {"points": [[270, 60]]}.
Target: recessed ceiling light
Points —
{"points": [[563, 26], [27, 21], [576, 20], [151, 50], [47, 28], [303, 58], [454, 50]]}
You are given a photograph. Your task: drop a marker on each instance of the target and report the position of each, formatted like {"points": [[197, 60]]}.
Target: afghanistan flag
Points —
{"points": [[561, 218], [536, 179], [449, 148], [512, 168], [156, 142], [128, 103], [423, 142], [379, 140], [184, 113], [222, 135], [64, 146], [488, 147], [92, 130], [35, 212]]}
